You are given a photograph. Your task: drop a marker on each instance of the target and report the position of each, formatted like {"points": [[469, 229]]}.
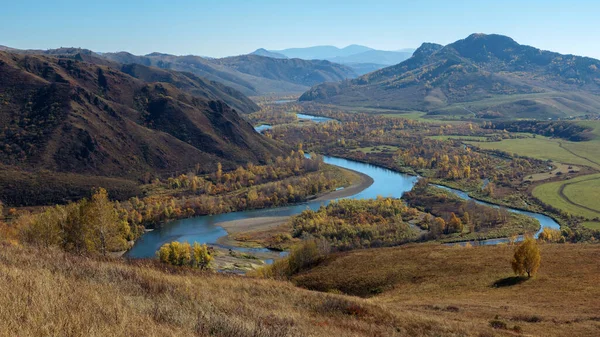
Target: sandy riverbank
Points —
{"points": [[262, 224]]}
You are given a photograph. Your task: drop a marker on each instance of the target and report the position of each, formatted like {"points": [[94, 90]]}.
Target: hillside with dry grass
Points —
{"points": [[49, 293], [424, 290], [473, 286]]}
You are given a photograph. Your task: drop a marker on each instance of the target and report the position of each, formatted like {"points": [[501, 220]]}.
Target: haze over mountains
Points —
{"points": [[245, 73], [484, 75], [361, 58]]}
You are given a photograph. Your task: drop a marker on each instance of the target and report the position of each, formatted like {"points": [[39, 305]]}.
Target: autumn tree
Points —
{"points": [[455, 225], [44, 229], [183, 254], [438, 227], [527, 258], [219, 173], [201, 257], [466, 219], [104, 230], [551, 235]]}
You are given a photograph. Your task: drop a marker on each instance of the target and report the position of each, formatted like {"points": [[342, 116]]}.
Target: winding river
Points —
{"points": [[204, 229]]}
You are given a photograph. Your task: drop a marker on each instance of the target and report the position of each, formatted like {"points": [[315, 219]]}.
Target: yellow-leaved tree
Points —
{"points": [[183, 254], [527, 258], [104, 231], [201, 257]]}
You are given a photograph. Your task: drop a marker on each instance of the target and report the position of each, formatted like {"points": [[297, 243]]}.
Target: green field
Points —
{"points": [[577, 196], [377, 149], [592, 225], [577, 153], [470, 138]]}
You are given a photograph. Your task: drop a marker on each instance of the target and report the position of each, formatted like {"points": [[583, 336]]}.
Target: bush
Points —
{"points": [[498, 324], [303, 256]]}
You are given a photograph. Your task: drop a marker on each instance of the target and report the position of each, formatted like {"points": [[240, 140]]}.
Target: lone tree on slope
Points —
{"points": [[527, 258]]}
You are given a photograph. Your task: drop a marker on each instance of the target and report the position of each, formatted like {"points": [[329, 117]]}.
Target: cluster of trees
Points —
{"points": [[455, 215], [219, 182], [272, 115], [417, 151], [349, 224], [94, 226], [559, 129], [156, 209], [183, 254]]}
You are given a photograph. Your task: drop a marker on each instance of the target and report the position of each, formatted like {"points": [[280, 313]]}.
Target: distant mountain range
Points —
{"points": [[108, 124], [361, 58], [252, 75], [489, 76]]}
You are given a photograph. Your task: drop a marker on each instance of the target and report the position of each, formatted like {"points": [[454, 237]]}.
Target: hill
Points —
{"points": [[489, 76], [187, 82], [472, 286], [437, 291], [60, 115], [302, 72], [252, 75], [266, 53], [192, 84], [361, 59]]}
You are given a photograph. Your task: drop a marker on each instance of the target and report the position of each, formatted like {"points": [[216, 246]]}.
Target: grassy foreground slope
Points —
{"points": [[50, 293], [457, 285], [424, 290]]}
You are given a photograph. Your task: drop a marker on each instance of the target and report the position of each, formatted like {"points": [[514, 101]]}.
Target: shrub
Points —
{"points": [[303, 256], [498, 324]]}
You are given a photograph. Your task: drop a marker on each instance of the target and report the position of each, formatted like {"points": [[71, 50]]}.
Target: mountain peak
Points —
{"points": [[266, 53], [427, 49], [158, 54]]}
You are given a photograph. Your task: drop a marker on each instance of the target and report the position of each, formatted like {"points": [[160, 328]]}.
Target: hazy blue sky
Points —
{"points": [[228, 27]]}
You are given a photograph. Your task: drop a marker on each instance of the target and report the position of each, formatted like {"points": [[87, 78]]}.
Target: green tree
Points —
{"points": [[526, 259]]}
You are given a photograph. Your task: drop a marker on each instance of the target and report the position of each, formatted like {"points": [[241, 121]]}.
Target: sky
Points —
{"points": [[230, 27]]}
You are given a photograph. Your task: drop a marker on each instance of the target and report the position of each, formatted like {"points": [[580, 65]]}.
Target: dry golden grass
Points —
{"points": [[457, 285], [50, 293]]}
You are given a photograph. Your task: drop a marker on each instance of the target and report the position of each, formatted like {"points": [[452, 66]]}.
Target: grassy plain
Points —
{"points": [[473, 285], [540, 147], [592, 224], [377, 149], [577, 196], [471, 138]]}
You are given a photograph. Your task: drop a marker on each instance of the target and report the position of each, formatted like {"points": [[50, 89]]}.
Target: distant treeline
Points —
{"points": [[558, 129]]}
